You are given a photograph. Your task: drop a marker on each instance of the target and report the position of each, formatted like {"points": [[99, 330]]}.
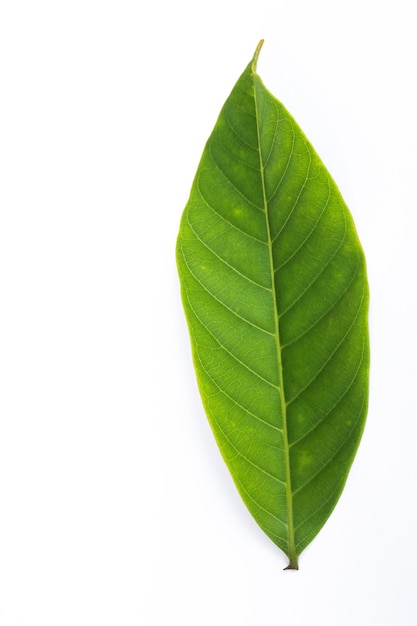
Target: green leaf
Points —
{"points": [[274, 288]]}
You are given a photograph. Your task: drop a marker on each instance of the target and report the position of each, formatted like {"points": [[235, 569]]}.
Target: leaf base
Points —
{"points": [[293, 564]]}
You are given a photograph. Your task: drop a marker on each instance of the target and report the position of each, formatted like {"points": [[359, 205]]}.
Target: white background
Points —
{"points": [[115, 506]]}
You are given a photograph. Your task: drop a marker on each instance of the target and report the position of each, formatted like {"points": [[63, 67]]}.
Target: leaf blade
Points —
{"points": [[274, 288]]}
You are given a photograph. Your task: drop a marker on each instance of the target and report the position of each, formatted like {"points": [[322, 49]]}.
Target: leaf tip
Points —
{"points": [[256, 55]]}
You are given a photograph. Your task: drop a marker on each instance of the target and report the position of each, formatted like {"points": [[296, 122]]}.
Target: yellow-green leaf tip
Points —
{"points": [[256, 55]]}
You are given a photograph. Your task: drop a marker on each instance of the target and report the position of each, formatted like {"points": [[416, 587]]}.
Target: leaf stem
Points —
{"points": [[293, 564]]}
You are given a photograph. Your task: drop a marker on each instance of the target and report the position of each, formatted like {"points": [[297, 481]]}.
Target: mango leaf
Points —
{"points": [[274, 288]]}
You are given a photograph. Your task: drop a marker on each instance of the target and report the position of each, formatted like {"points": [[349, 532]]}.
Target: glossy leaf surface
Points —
{"points": [[274, 288]]}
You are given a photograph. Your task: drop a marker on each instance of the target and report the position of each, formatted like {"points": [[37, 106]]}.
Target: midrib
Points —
{"points": [[292, 555]]}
